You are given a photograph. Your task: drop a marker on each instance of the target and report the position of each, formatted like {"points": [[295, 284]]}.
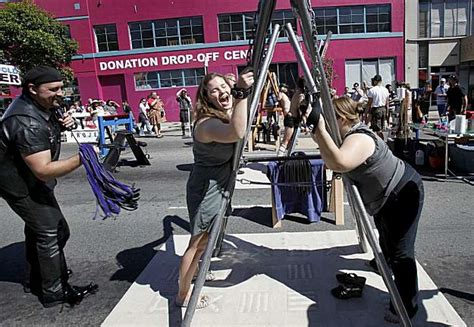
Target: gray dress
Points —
{"points": [[207, 183]]}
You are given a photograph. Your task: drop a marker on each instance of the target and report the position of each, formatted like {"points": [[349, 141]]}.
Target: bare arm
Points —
{"points": [[284, 102], [355, 149], [464, 105], [44, 169]]}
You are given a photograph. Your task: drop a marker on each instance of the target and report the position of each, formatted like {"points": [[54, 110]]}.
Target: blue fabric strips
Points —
{"points": [[111, 194]]}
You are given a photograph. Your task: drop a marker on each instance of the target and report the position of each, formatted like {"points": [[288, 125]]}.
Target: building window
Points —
{"points": [[354, 19], [443, 18], [166, 32], [240, 26], [67, 31], [106, 37], [236, 27], [326, 20], [169, 78], [362, 70], [378, 19], [282, 17]]}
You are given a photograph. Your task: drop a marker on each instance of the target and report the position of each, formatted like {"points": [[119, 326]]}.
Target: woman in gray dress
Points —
{"points": [[221, 120]]}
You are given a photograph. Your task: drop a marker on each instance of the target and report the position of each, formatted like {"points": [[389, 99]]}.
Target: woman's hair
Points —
{"points": [[346, 108], [204, 108]]}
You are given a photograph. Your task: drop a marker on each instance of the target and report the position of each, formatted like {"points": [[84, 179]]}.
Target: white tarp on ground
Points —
{"points": [[277, 279]]}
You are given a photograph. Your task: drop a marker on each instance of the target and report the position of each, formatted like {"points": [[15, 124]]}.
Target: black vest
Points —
{"points": [[16, 178]]}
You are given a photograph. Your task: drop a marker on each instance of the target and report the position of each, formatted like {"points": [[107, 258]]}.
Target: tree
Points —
{"points": [[30, 36]]}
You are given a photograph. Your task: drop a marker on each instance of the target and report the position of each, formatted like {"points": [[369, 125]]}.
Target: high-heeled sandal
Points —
{"points": [[209, 276], [203, 302]]}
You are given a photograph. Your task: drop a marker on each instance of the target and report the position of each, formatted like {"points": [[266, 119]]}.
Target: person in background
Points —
{"points": [[96, 110], [185, 105], [156, 112], [128, 110], [391, 191], [457, 98], [30, 144], [425, 101], [357, 92], [378, 105], [143, 118], [347, 92], [221, 121], [111, 107], [292, 114], [441, 92]]}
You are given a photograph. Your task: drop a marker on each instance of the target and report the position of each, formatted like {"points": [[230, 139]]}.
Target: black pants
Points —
{"points": [[397, 223], [46, 234]]}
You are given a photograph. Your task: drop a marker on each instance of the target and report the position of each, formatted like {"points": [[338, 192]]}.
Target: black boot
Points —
{"points": [[71, 295], [34, 286]]}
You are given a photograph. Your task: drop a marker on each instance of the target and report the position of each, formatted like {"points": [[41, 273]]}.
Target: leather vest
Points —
{"points": [[25, 116]]}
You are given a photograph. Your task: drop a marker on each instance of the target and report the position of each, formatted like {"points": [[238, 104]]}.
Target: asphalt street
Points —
{"points": [[114, 251]]}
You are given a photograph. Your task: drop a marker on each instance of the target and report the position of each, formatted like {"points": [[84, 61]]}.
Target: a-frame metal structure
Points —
{"points": [[315, 79]]}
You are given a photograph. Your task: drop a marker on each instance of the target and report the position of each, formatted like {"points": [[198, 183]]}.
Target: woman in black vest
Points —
{"points": [[392, 192]]}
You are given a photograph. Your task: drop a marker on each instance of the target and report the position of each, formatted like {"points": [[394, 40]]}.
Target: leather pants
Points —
{"points": [[46, 234]]}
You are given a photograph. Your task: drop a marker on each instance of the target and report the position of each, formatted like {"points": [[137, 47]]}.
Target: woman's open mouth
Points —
{"points": [[224, 100]]}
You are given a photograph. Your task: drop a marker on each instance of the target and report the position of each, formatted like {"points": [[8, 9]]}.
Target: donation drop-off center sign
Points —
{"points": [[9, 75], [169, 61]]}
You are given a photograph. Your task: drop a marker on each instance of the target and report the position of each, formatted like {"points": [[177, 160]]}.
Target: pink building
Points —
{"points": [[129, 48]]}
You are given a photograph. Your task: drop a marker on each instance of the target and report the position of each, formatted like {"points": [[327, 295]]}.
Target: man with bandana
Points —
{"points": [[30, 135]]}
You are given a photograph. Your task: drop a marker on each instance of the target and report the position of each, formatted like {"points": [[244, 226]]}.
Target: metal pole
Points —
{"points": [[300, 57], [216, 228]]}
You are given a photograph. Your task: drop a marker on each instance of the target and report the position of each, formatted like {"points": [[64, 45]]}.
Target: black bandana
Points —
{"points": [[42, 74]]}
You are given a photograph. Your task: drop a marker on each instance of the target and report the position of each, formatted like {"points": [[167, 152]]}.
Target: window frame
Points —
{"points": [[106, 34], [361, 64], [155, 26], [161, 78], [364, 14], [429, 8], [243, 21]]}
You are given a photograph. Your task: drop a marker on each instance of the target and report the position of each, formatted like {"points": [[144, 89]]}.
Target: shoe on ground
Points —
{"points": [[209, 276], [345, 292], [203, 302], [71, 295]]}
